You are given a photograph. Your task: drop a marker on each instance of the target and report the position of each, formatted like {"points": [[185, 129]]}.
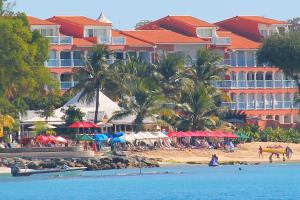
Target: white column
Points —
{"points": [[255, 101], [72, 81], [58, 57], [264, 79], [273, 101], [265, 100], [273, 79], [292, 118], [281, 119], [282, 99], [254, 57], [282, 84], [238, 101], [255, 84], [245, 57], [236, 59], [247, 101], [72, 58], [292, 99]]}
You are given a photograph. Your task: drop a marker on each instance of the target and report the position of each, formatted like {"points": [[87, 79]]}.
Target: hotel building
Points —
{"points": [[261, 91]]}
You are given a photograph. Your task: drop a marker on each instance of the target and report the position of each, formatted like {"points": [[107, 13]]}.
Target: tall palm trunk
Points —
{"points": [[97, 105]]}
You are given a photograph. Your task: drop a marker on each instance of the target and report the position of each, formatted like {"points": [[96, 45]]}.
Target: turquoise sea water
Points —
{"points": [[276, 181]]}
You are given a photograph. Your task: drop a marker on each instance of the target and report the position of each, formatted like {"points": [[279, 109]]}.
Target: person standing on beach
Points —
{"points": [[260, 152]]}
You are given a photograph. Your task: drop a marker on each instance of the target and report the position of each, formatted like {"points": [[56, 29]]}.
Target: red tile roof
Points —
{"points": [[192, 21], [36, 21], [163, 37], [262, 20], [61, 70], [81, 42], [131, 41], [239, 42], [81, 20]]}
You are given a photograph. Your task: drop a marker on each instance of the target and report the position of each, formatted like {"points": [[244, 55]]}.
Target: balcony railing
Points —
{"points": [[65, 63], [65, 85], [221, 41], [261, 105], [60, 40], [112, 40], [251, 84]]}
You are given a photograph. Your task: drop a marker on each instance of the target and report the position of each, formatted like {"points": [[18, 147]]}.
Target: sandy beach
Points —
{"points": [[247, 152], [4, 170]]}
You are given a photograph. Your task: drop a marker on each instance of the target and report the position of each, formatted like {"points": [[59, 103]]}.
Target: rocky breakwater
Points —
{"points": [[103, 163]]}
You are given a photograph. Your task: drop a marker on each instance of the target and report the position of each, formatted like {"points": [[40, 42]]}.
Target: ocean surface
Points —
{"points": [[187, 182]]}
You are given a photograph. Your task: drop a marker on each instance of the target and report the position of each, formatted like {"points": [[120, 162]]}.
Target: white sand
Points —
{"points": [[4, 170], [247, 152]]}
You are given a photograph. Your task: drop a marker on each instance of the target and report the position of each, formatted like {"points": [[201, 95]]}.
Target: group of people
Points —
{"points": [[285, 152]]}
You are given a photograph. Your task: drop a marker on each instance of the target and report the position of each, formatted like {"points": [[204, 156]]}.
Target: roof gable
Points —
{"points": [[37, 21], [81, 20]]}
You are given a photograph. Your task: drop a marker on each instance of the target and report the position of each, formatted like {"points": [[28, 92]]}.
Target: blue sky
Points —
{"points": [[126, 13]]}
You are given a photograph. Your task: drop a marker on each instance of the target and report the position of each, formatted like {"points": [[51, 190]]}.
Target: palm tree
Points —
{"points": [[198, 109], [206, 68], [169, 71], [96, 76], [141, 93]]}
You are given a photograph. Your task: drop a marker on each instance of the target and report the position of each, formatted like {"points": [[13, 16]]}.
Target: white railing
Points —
{"points": [[261, 105], [251, 84], [112, 40], [65, 63], [65, 85], [60, 40], [221, 41]]}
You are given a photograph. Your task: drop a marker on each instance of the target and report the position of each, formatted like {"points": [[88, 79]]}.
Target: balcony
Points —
{"points": [[60, 40], [65, 85], [112, 40], [221, 41], [65, 63], [251, 84], [261, 105]]}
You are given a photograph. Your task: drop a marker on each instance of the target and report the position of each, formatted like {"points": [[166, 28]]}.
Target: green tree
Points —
{"points": [[295, 24], [142, 23], [48, 104], [72, 114], [198, 109], [282, 51], [22, 56], [40, 128], [169, 74], [96, 76], [141, 94]]}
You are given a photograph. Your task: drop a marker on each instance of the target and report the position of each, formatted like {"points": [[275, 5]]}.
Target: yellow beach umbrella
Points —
{"points": [[6, 121]]}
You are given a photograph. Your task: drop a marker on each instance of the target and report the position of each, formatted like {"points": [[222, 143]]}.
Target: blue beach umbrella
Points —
{"points": [[119, 134], [100, 137], [117, 140]]}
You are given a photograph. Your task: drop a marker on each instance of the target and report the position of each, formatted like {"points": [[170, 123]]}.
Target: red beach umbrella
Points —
{"points": [[83, 125]]}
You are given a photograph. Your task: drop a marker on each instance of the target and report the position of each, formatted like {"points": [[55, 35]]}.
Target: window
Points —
{"points": [[47, 32], [205, 33], [263, 32], [52, 55]]}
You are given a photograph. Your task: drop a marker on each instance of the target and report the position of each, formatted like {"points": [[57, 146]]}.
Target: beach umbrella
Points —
{"points": [[48, 126], [61, 139], [83, 125], [119, 134], [85, 137], [100, 137], [42, 139], [172, 134], [117, 140], [159, 134], [52, 139], [128, 137], [231, 135]]}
